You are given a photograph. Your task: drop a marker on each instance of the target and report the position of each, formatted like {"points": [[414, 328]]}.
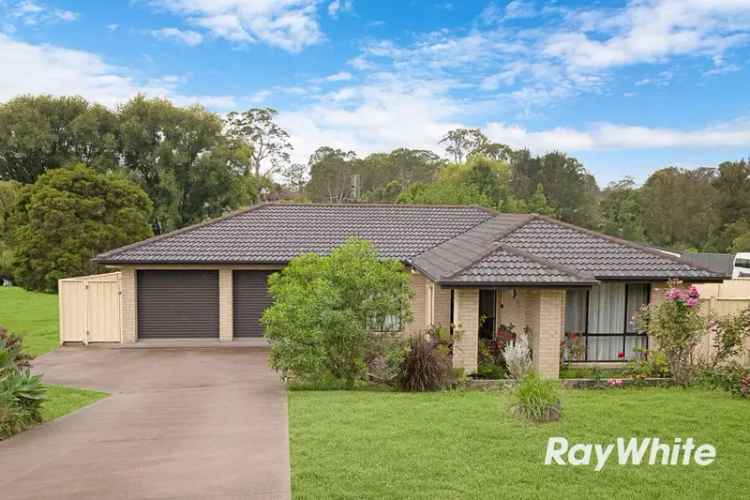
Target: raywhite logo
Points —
{"points": [[652, 450]]}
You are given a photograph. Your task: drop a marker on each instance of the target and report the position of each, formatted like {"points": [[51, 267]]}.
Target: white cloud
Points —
{"points": [[113, 27], [191, 38], [650, 31], [50, 69], [519, 9], [66, 15], [338, 7], [341, 76], [289, 24], [386, 112], [32, 13], [610, 137]]}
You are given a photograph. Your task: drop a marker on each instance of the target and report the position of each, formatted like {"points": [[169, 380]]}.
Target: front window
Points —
{"points": [[602, 321]]}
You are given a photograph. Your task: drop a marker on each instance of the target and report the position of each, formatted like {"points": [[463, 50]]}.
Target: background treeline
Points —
{"points": [[148, 166]]}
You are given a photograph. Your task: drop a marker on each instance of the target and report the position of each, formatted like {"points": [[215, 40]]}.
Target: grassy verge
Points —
{"points": [[32, 314], [465, 445], [62, 400]]}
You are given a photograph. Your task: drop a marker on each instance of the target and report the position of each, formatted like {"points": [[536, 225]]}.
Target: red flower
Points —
{"points": [[620, 354]]}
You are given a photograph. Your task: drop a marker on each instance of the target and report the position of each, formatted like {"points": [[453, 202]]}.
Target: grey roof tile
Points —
{"points": [[601, 256], [279, 232]]}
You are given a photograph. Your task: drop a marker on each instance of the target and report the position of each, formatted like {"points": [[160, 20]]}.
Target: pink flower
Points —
{"points": [[692, 302], [694, 293], [673, 294], [620, 354], [615, 381]]}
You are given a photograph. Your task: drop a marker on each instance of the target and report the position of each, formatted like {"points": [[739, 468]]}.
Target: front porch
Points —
{"points": [[593, 325]]}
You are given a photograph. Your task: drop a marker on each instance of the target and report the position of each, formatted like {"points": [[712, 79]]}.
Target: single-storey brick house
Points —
{"points": [[470, 266]]}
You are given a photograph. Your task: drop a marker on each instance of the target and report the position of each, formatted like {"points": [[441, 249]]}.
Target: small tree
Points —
{"points": [[330, 312], [67, 217], [677, 325]]}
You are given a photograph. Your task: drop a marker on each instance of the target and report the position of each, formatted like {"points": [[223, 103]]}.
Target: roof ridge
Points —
{"points": [[384, 205], [503, 233], [547, 262], [176, 232], [623, 242]]}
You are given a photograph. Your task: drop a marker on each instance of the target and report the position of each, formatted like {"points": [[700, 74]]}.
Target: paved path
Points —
{"points": [[180, 423]]}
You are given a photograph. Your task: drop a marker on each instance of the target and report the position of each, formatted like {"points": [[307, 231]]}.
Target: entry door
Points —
{"points": [[487, 314]]}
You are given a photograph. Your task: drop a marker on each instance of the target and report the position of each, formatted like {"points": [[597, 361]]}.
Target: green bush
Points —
{"points": [[330, 313], [535, 399], [21, 394], [651, 364], [427, 365], [67, 217], [733, 378]]}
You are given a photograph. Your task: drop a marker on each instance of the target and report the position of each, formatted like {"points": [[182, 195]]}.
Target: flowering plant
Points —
{"points": [[676, 325]]}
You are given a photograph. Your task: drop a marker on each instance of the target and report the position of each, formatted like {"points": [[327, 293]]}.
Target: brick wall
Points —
{"points": [[442, 306], [226, 304], [418, 303], [466, 311], [129, 305]]}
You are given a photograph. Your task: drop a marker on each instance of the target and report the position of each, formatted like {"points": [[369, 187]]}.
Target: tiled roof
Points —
{"points": [[508, 266], [273, 233], [455, 254], [601, 256], [451, 245]]}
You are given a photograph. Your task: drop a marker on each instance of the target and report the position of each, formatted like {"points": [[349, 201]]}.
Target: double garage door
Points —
{"points": [[185, 304]]}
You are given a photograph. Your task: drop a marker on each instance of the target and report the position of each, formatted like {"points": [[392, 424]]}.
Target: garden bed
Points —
{"points": [[574, 383]]}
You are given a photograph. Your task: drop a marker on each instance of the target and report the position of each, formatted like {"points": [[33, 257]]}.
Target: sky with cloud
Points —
{"points": [[627, 87]]}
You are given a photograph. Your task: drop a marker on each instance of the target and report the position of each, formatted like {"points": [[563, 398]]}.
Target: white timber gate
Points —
{"points": [[91, 308]]}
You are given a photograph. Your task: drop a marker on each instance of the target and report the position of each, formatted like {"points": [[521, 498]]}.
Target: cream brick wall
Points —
{"points": [[226, 305], [442, 306], [466, 316], [129, 305], [511, 310], [418, 304], [545, 316]]}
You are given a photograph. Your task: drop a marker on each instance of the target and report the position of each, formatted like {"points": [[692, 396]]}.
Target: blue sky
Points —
{"points": [[626, 87]]}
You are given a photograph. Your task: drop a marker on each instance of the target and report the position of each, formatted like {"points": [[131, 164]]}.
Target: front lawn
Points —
{"points": [[33, 315], [62, 400], [465, 445]]}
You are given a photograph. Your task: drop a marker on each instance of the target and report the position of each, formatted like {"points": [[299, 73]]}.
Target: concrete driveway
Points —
{"points": [[180, 423]]}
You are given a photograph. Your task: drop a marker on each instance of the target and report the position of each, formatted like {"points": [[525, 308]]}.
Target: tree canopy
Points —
{"points": [[68, 216]]}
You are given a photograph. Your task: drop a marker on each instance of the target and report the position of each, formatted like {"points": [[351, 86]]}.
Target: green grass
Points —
{"points": [[62, 400], [32, 314], [466, 445]]}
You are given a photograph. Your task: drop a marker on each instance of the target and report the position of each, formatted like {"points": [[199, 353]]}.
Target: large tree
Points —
{"points": [[68, 216], [732, 184], [569, 188], [621, 210], [8, 195], [181, 159], [331, 172], [257, 129], [39, 133], [461, 142], [678, 207]]}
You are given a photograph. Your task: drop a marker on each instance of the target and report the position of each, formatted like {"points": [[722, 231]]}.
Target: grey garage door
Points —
{"points": [[178, 304], [250, 294]]}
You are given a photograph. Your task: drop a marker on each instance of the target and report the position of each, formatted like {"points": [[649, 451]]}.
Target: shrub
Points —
{"points": [[11, 344], [535, 399], [729, 334], [21, 394], [330, 314], [677, 325], [427, 364], [517, 356], [732, 377], [650, 364]]}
